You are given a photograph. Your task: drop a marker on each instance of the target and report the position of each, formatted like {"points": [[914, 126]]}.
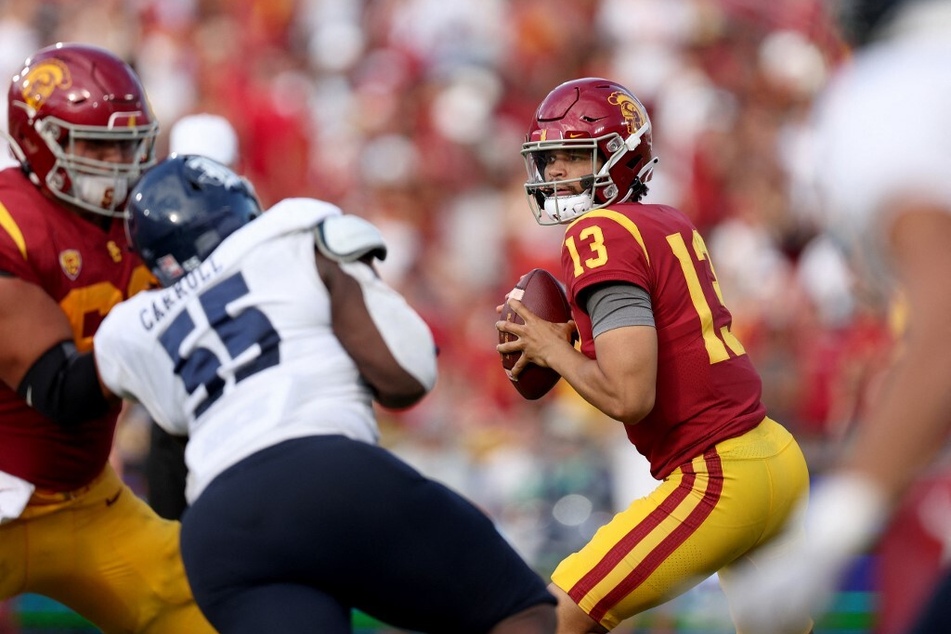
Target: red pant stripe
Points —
{"points": [[667, 546]]}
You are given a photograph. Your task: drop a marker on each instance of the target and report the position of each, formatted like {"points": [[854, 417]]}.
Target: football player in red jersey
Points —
{"points": [[82, 130], [657, 354]]}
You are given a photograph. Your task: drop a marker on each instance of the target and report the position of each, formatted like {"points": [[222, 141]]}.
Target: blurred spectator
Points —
{"points": [[207, 134]]}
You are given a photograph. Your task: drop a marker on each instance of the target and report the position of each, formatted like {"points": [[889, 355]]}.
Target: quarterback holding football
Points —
{"points": [[657, 354]]}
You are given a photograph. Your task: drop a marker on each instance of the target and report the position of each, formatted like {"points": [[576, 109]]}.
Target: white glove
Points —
{"points": [[797, 575]]}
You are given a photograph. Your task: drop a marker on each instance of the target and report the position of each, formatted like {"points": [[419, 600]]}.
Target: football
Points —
{"points": [[542, 294]]}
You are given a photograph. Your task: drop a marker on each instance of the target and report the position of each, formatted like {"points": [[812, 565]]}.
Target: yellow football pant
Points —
{"points": [[707, 515], [104, 553]]}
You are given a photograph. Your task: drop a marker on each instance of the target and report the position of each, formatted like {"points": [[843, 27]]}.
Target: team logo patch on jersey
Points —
{"points": [[42, 80], [71, 262]]}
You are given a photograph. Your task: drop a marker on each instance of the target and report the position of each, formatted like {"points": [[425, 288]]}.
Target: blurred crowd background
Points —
{"points": [[411, 113]]}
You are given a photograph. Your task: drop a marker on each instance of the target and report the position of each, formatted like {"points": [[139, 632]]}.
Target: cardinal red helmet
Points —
{"points": [[598, 115], [69, 97]]}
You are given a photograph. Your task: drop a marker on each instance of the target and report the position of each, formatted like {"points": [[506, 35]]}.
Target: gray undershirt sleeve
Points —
{"points": [[618, 305]]}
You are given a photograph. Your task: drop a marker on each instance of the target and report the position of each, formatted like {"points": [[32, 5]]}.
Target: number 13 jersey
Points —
{"points": [[707, 388]]}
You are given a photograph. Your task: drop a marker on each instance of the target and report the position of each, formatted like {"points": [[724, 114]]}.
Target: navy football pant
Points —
{"points": [[293, 537], [935, 617]]}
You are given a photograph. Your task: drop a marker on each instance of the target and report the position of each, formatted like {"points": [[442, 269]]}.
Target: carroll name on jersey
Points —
{"points": [[188, 286]]}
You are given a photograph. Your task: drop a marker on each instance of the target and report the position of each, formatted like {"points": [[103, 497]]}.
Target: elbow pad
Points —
{"points": [[348, 238], [64, 386], [406, 334]]}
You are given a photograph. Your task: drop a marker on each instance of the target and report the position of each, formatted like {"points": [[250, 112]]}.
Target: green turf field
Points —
{"points": [[701, 611]]}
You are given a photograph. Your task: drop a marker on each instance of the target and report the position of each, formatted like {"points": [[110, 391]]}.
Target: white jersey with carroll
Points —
{"points": [[253, 323]]}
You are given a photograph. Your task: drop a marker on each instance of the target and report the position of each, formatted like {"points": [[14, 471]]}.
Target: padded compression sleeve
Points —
{"points": [[349, 238], [405, 333], [63, 385]]}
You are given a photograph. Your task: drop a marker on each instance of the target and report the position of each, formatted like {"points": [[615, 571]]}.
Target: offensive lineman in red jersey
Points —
{"points": [[82, 130], [657, 353]]}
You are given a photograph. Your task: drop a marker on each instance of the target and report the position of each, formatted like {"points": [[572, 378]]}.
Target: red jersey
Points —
{"points": [[707, 388], [87, 270]]}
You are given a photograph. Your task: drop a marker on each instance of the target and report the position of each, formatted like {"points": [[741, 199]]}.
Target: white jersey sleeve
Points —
{"points": [[129, 365], [883, 135], [252, 324]]}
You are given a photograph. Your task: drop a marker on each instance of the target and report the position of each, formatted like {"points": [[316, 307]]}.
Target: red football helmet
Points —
{"points": [[70, 95], [595, 114]]}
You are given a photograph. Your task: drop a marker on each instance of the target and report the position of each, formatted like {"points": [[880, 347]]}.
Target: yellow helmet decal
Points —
{"points": [[630, 110], [41, 80]]}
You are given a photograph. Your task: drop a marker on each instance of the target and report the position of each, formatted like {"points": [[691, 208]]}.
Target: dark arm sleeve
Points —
{"points": [[63, 385]]}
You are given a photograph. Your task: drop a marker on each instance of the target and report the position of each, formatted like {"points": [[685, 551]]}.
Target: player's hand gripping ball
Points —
{"points": [[542, 294]]}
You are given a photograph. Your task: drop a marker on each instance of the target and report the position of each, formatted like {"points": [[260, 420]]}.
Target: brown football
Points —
{"points": [[542, 294]]}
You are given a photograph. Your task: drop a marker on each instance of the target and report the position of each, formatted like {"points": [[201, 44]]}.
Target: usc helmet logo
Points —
{"points": [[41, 80], [630, 110]]}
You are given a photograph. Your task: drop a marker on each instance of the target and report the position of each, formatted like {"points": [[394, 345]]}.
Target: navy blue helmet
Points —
{"points": [[181, 210]]}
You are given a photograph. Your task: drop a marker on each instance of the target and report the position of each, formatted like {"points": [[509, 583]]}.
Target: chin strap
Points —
{"points": [[565, 208]]}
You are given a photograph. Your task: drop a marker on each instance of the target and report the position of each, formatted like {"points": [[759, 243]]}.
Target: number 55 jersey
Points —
{"points": [[252, 323], [707, 388]]}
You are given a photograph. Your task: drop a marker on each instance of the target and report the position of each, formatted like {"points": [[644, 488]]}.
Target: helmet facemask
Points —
{"points": [[89, 183], [559, 201]]}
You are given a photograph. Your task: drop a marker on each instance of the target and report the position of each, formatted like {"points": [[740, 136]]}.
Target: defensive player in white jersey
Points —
{"points": [[267, 346], [884, 140]]}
